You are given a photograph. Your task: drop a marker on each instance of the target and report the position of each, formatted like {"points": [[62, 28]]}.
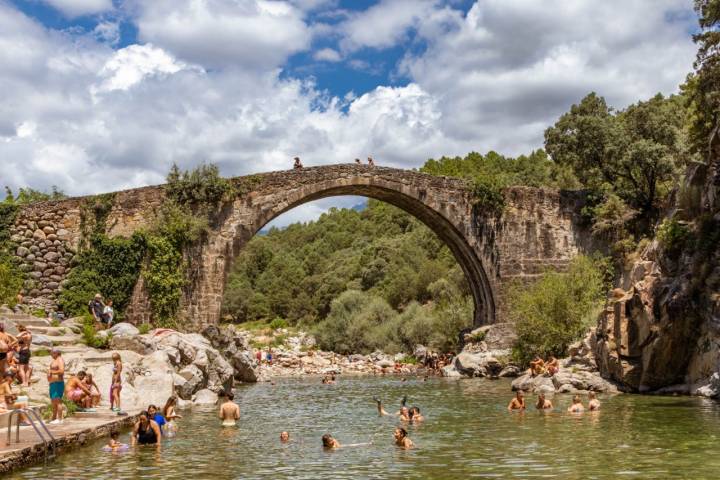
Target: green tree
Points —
{"points": [[556, 310]]}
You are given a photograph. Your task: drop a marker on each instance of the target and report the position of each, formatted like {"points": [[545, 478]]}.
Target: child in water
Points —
{"points": [[114, 445]]}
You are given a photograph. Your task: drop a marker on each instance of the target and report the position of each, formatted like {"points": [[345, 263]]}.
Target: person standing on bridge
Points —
{"points": [[371, 162], [298, 164], [358, 162]]}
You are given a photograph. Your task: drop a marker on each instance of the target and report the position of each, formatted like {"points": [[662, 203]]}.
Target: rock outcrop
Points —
{"points": [[661, 328], [486, 353], [235, 348]]}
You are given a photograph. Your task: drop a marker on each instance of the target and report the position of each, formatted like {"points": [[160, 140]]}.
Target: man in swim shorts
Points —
{"points": [[517, 403], [594, 403], [56, 383], [229, 411]]}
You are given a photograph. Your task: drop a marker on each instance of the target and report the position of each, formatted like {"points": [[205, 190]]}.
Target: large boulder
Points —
{"points": [[528, 383], [135, 343], [235, 348], [194, 381], [124, 328], [41, 340], [205, 397]]}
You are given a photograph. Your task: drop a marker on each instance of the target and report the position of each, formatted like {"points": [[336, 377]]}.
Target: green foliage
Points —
{"points": [[673, 236], [109, 266], [556, 310], [199, 187], [164, 276], [144, 328], [41, 352], [493, 172], [11, 281], [28, 195], [90, 337], [703, 88], [634, 154], [278, 323]]}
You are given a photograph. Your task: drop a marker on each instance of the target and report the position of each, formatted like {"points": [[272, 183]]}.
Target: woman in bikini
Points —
{"points": [[24, 339], [116, 383]]}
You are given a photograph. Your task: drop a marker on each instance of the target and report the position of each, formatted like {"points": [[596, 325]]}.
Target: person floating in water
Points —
{"points": [[577, 406], [543, 403], [517, 403], [401, 438], [403, 413], [284, 437], [114, 445], [298, 164], [594, 403], [229, 411]]}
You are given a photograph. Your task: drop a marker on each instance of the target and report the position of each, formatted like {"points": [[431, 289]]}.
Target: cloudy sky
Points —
{"points": [[100, 95]]}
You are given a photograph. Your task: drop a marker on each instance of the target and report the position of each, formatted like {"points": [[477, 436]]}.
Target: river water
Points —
{"points": [[467, 433]]}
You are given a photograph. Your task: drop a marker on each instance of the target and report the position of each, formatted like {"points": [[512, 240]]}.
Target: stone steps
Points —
{"points": [[27, 320]]}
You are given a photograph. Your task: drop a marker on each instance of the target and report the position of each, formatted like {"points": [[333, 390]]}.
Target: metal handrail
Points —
{"points": [[29, 414]]}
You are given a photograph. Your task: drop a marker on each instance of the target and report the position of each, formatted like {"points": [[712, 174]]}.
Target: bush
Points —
{"points": [[556, 310], [201, 186], [672, 236], [278, 323], [110, 266], [11, 281], [144, 328], [164, 276]]}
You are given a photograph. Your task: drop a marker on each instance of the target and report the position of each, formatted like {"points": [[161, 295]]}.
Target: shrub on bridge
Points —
{"points": [[556, 310]]}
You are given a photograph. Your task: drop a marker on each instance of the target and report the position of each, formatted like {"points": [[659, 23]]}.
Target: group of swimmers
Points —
{"points": [[517, 404]]}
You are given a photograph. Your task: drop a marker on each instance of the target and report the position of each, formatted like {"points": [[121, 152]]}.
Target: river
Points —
{"points": [[467, 433]]}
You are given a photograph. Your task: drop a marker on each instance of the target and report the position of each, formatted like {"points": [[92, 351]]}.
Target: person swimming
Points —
{"points": [[114, 445], [517, 403], [229, 411], [284, 437], [403, 413], [593, 403], [543, 403], [577, 406], [401, 438], [415, 415], [329, 442]]}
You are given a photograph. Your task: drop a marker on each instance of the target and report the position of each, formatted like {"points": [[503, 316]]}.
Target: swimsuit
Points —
{"points": [[228, 422], [147, 436], [57, 389], [24, 357], [76, 394]]}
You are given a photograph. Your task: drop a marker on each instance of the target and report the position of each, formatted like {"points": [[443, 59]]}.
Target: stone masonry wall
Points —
{"points": [[538, 229]]}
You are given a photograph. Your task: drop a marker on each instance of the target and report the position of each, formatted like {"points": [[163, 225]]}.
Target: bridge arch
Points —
{"points": [[443, 205]]}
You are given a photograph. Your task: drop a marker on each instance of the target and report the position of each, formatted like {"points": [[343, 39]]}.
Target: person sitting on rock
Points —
{"points": [[8, 399], [298, 164], [552, 366], [543, 403], [94, 390], [229, 411], [593, 403], [537, 366], [577, 406], [517, 403], [77, 392], [358, 162], [401, 438]]}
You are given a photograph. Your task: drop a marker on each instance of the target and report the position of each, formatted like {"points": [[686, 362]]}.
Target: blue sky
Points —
{"points": [[107, 94]]}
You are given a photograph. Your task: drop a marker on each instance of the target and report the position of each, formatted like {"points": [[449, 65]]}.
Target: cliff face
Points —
{"points": [[660, 330]]}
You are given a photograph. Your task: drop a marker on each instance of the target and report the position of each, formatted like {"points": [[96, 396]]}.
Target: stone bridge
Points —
{"points": [[538, 229]]}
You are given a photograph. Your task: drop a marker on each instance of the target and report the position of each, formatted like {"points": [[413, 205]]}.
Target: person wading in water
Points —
{"points": [[229, 411]]}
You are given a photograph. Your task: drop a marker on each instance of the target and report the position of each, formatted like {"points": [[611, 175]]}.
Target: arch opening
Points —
{"points": [[409, 202]]}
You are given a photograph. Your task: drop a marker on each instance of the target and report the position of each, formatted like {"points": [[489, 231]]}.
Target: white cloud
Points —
{"points": [[107, 32], [78, 114], [247, 34], [130, 65], [327, 55], [77, 8], [383, 24]]}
